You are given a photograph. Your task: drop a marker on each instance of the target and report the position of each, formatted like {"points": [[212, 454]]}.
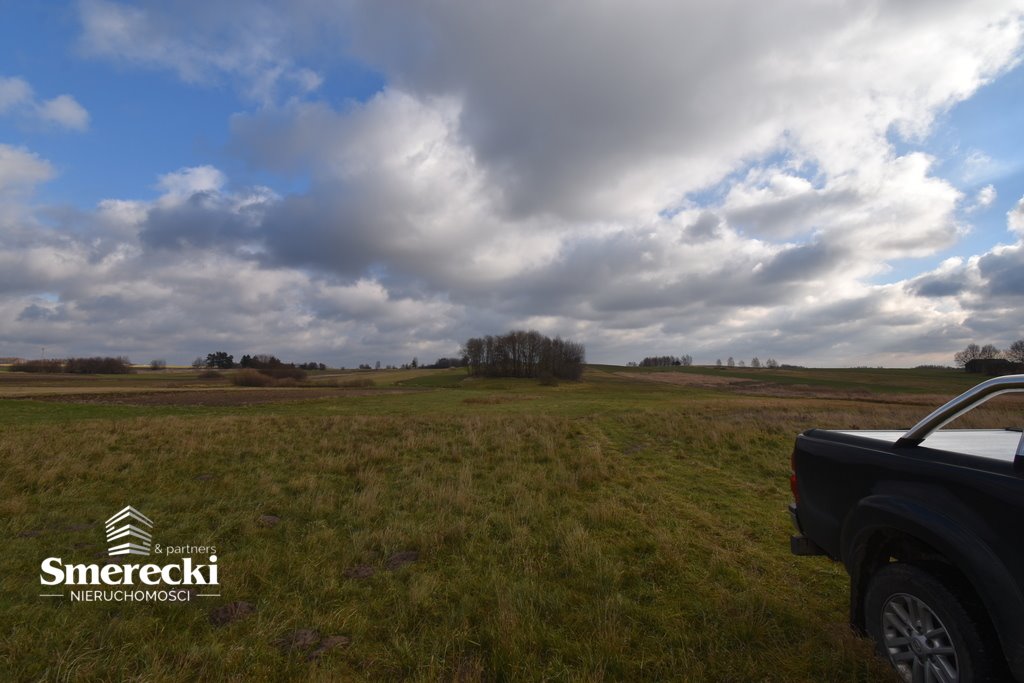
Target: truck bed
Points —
{"points": [[995, 444]]}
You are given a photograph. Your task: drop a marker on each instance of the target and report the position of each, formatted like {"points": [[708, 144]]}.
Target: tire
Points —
{"points": [[925, 631]]}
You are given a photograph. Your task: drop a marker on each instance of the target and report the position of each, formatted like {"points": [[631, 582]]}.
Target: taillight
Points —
{"points": [[792, 477]]}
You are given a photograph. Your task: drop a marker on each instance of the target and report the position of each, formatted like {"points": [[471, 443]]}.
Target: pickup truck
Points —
{"points": [[928, 525]]}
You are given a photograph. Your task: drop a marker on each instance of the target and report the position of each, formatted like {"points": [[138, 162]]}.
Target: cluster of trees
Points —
{"points": [[96, 365], [666, 361], [755, 362], [222, 360], [524, 354], [1014, 354], [51, 365]]}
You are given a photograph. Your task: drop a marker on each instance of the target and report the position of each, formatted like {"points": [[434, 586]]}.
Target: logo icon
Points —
{"points": [[134, 540]]}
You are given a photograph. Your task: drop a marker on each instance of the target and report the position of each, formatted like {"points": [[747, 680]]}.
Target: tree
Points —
{"points": [[221, 360], [771, 363], [971, 352], [990, 351], [1015, 353], [755, 362], [198, 362], [731, 363], [718, 363], [157, 364]]}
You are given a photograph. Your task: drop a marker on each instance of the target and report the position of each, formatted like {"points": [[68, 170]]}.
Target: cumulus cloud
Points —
{"points": [[65, 111], [18, 97], [633, 110], [14, 92], [984, 198], [21, 170], [1015, 218]]}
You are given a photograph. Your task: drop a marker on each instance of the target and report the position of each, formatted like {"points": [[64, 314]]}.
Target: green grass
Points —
{"points": [[611, 529]]}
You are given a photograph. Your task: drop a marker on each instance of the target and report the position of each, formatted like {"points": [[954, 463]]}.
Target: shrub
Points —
{"points": [[284, 372], [251, 378]]}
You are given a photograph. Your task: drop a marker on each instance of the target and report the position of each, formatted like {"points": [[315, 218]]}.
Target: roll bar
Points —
{"points": [[958, 406]]}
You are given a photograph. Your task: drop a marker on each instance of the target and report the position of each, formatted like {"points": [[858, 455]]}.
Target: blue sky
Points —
{"points": [[345, 182]]}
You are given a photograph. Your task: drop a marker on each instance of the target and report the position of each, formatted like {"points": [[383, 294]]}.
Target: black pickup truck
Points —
{"points": [[928, 524]]}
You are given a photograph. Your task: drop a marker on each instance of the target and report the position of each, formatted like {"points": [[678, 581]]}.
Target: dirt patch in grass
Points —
{"points": [[743, 385], [234, 611], [684, 379], [399, 560], [495, 400], [216, 397]]}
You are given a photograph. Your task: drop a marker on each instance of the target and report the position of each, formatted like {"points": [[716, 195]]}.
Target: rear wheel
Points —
{"points": [[925, 631]]}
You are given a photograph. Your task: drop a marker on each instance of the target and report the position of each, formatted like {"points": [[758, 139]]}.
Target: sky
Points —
{"points": [[825, 183]]}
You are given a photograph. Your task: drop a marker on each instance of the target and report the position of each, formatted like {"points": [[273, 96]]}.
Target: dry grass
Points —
{"points": [[603, 530]]}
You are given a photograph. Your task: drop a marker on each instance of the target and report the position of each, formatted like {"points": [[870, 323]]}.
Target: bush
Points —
{"points": [[284, 372], [251, 378], [38, 366]]}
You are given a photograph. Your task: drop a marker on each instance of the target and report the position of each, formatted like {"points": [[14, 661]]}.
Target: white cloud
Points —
{"points": [[203, 43], [17, 97], [14, 92], [21, 170], [64, 111], [1015, 218], [984, 198], [186, 182]]}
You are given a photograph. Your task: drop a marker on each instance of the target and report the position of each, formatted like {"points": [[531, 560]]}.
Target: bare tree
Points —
{"points": [[975, 352], [1015, 353], [971, 352]]}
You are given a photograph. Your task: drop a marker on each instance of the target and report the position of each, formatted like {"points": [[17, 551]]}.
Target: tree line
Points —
{"points": [[1014, 354], [755, 362], [524, 354], [97, 365], [666, 361]]}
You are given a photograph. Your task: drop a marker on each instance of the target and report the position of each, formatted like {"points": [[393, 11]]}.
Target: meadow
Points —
{"points": [[430, 526]]}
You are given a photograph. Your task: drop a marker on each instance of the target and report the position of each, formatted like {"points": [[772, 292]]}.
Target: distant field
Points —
{"points": [[631, 526]]}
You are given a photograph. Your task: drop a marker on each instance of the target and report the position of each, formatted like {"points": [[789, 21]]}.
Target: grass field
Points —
{"points": [[631, 526]]}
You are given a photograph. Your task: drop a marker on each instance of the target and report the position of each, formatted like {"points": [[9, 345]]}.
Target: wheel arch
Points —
{"points": [[884, 528]]}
